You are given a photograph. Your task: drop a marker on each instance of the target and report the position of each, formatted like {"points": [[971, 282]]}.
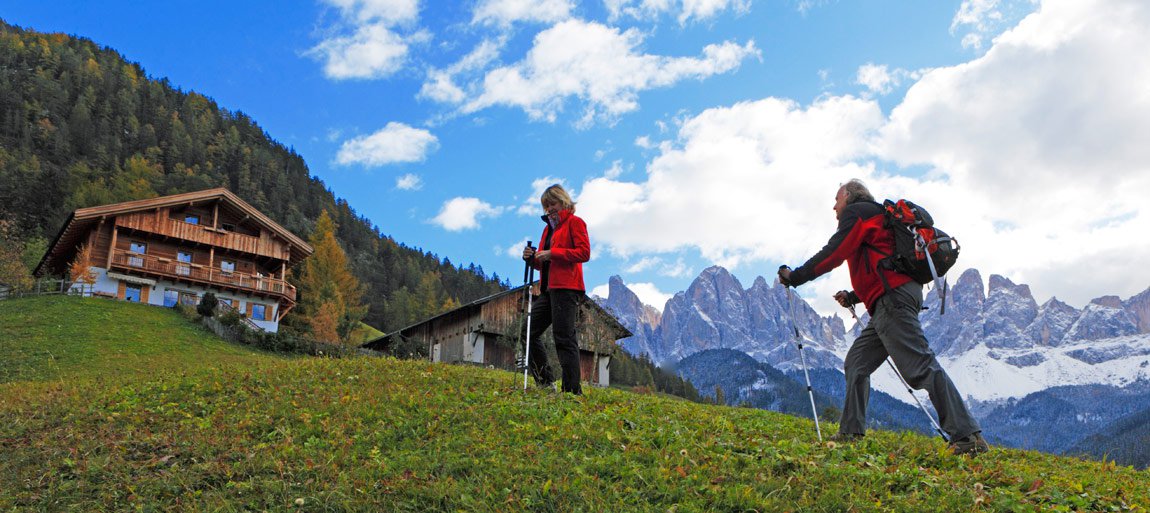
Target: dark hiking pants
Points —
{"points": [[895, 330], [558, 308]]}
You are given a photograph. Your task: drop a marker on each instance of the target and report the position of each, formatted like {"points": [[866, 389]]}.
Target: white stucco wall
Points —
{"points": [[109, 285]]}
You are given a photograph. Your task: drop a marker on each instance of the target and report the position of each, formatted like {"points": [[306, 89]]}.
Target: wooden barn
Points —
{"points": [[173, 249], [486, 332]]}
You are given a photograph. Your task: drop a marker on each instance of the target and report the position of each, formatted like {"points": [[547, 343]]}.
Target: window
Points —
{"points": [[132, 293], [137, 247], [192, 219], [226, 301], [259, 312], [189, 299], [171, 297], [183, 258], [228, 266]]}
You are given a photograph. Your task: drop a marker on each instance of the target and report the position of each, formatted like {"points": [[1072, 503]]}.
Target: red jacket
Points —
{"points": [[570, 247], [861, 240]]}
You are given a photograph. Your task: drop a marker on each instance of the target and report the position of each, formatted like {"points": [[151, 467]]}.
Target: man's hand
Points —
{"points": [[843, 297], [785, 275], [528, 252], [543, 255]]}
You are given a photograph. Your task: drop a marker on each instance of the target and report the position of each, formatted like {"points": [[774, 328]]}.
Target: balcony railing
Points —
{"points": [[147, 222], [203, 274]]}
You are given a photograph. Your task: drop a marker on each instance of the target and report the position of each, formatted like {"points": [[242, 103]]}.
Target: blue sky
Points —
{"points": [[692, 132]]}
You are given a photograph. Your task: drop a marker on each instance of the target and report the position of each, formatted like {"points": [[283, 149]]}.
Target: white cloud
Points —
{"points": [[683, 10], [459, 214], [372, 49], [985, 18], [506, 12], [879, 79], [378, 11], [648, 294], [531, 206], [739, 184], [440, 85], [615, 170], [396, 142], [597, 64], [643, 264], [1041, 143], [515, 250], [409, 182]]}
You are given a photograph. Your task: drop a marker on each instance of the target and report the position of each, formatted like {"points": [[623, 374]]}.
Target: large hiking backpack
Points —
{"points": [[914, 238]]}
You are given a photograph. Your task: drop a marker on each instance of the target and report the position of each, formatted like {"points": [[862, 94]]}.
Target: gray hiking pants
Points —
{"points": [[895, 330]]}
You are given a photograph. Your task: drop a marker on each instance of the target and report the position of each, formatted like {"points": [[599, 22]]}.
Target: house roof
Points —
{"points": [[621, 330], [80, 221]]}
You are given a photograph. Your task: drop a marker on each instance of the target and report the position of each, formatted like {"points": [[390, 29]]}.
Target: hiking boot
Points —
{"points": [[972, 445], [845, 438]]}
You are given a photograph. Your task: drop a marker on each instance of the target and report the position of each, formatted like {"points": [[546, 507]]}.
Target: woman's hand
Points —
{"points": [[543, 255], [528, 252]]}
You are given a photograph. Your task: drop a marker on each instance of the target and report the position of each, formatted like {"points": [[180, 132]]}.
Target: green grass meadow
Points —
{"points": [[156, 414]]}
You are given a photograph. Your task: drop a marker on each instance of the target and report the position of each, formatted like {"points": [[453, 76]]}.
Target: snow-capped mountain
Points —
{"points": [[996, 343], [716, 312]]}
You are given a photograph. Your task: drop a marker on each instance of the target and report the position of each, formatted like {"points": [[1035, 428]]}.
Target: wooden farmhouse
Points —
{"points": [[173, 249], [486, 332]]}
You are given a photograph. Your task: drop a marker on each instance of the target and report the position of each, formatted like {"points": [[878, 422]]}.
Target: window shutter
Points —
{"points": [[249, 310], [120, 289]]}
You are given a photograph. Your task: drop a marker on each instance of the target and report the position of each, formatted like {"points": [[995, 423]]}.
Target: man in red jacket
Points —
{"points": [[862, 239], [560, 260]]}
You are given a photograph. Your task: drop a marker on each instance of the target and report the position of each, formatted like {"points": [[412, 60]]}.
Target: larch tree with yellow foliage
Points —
{"points": [[331, 298], [81, 269]]}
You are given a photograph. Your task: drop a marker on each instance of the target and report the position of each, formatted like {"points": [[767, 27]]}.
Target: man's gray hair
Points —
{"points": [[857, 191]]}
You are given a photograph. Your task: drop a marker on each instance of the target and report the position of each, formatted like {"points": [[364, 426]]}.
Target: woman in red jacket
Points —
{"points": [[564, 248]]}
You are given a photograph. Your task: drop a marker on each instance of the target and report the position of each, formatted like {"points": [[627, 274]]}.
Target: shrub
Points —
{"points": [[208, 304]]}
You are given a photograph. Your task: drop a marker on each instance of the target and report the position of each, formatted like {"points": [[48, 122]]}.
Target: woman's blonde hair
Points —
{"points": [[556, 194]]}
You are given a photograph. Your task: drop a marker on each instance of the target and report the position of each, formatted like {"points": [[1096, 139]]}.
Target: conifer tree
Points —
{"points": [[330, 295], [12, 270], [81, 267]]}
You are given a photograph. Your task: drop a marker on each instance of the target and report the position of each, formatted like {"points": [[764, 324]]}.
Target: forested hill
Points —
{"points": [[82, 126]]}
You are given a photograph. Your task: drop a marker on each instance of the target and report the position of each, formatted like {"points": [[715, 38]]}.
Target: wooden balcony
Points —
{"points": [[204, 275], [151, 223]]}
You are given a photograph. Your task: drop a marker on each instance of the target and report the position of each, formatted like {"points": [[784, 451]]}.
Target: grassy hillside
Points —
{"points": [[249, 432], [63, 337]]}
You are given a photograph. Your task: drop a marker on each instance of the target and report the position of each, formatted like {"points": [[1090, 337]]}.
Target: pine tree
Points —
{"points": [[330, 296]]}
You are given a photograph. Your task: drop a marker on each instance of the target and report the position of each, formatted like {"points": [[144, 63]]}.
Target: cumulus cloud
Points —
{"points": [[684, 10], [394, 143], [738, 183], [365, 45], [409, 182], [441, 83], [459, 214], [982, 19], [881, 80], [595, 63], [506, 12], [1041, 143]]}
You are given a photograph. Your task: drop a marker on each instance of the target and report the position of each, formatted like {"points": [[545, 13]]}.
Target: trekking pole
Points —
{"points": [[528, 277], [803, 359], [909, 390]]}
